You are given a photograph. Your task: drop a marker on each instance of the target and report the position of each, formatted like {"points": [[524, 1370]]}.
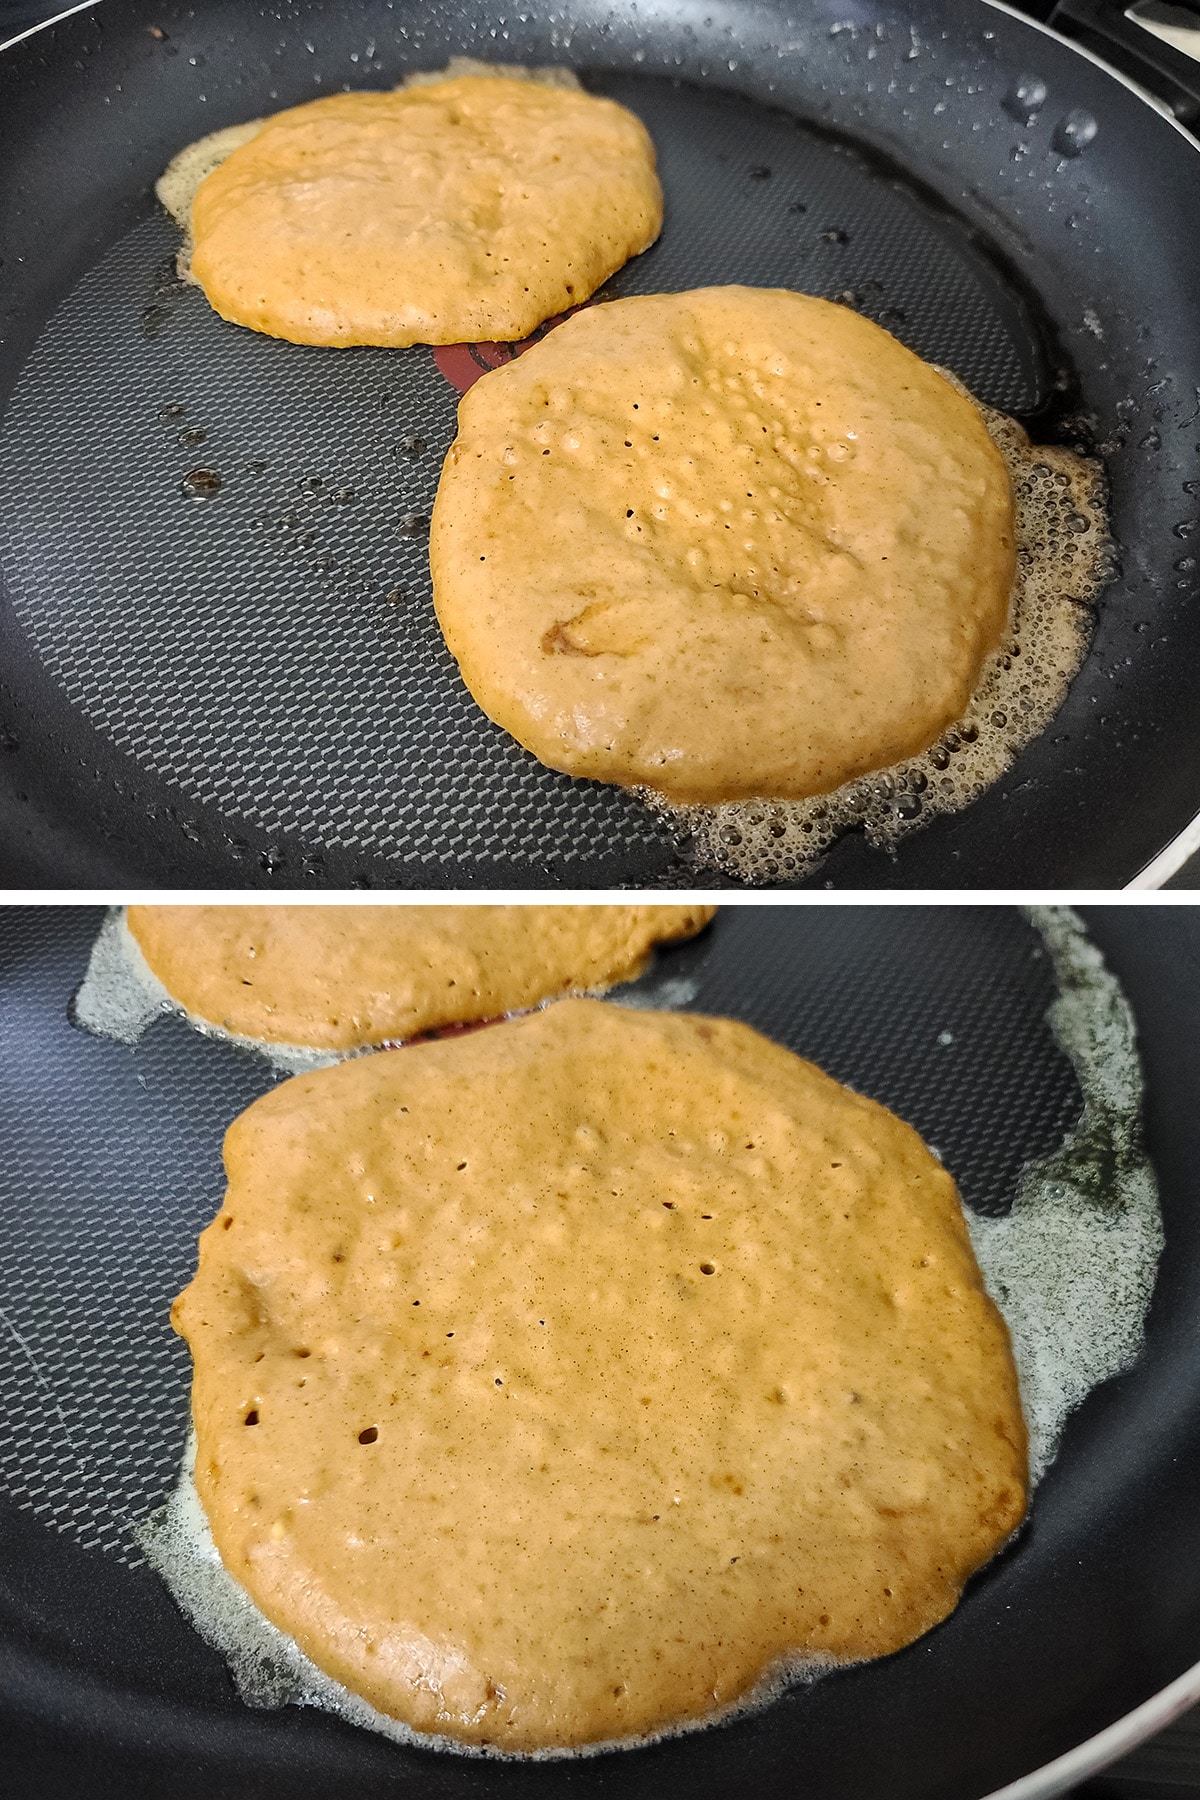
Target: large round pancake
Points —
{"points": [[724, 544], [443, 212], [338, 977], [558, 1383]]}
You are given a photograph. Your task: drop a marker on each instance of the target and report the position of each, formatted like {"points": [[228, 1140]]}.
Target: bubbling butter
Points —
{"points": [[1072, 1266], [1064, 560]]}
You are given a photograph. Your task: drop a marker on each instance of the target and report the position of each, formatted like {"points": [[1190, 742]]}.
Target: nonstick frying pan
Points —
{"points": [[250, 688], [111, 1163]]}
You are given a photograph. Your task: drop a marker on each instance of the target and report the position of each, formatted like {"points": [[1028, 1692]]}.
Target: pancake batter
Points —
{"points": [[734, 543], [555, 1384], [341, 977], [470, 207]]}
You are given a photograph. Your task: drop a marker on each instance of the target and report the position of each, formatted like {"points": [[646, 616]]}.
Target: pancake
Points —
{"points": [[453, 209], [565, 1382], [341, 977], [725, 544]]}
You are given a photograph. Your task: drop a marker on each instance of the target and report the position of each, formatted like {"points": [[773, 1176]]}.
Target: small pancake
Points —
{"points": [[562, 1383], [734, 543], [450, 210], [340, 977]]}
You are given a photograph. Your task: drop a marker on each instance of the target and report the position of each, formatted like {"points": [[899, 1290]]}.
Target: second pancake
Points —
{"points": [[468, 208], [342, 977]]}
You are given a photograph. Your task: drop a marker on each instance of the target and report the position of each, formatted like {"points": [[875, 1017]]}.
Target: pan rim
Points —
{"points": [[1096, 1753], [1171, 858], [32, 30], [1145, 94]]}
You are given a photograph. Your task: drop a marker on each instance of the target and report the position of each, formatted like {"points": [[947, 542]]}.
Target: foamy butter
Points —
{"points": [[1064, 559], [121, 997], [1071, 1268]]}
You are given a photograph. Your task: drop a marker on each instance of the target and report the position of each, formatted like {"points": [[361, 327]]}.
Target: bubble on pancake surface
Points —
{"points": [[1064, 559], [1071, 1268]]}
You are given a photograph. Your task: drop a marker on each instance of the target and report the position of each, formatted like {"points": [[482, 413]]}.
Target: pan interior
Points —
{"points": [[216, 542], [115, 1163]]}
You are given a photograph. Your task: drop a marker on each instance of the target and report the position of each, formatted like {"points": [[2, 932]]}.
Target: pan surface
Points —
{"points": [[112, 1163], [251, 687]]}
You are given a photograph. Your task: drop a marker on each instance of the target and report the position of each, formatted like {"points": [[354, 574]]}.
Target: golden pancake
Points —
{"points": [[559, 1383], [452, 210], [176, 186], [724, 544], [338, 977]]}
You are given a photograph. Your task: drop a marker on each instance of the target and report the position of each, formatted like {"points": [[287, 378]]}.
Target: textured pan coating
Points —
{"points": [[338, 977], [725, 544], [555, 1384]]}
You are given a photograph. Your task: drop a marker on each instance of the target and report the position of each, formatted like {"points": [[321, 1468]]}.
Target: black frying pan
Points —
{"points": [[109, 1165], [222, 692]]}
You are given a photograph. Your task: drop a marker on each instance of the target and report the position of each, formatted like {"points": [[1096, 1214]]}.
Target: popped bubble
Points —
{"points": [[1064, 559]]}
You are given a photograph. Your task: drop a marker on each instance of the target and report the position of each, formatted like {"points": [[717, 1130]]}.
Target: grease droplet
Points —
{"points": [[1074, 132], [200, 484], [1025, 99]]}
